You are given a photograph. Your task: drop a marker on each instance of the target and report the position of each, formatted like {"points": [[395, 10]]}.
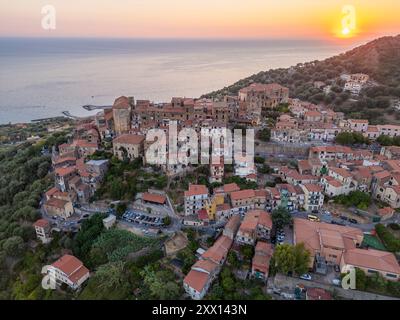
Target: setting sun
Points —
{"points": [[346, 31]]}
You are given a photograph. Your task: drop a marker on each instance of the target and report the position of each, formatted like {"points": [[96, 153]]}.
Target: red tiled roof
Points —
{"points": [[196, 189], [206, 265], [318, 294], [65, 171], [51, 191], [243, 194], [333, 182], [129, 139], [63, 159], [373, 259], [254, 218], [342, 172], [85, 144], [202, 214], [41, 223], [219, 249], [196, 280], [233, 223], [121, 103], [156, 198], [385, 211], [313, 187], [231, 187], [56, 203], [68, 264]]}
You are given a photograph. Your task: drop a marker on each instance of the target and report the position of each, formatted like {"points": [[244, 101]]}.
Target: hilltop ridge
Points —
{"points": [[378, 58]]}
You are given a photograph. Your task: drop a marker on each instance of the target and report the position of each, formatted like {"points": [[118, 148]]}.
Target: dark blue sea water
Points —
{"points": [[43, 77]]}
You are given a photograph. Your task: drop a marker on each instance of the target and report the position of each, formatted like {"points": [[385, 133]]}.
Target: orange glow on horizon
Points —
{"points": [[205, 19]]}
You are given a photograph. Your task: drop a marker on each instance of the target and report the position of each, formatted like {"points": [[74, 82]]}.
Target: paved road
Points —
{"points": [[288, 284], [365, 227]]}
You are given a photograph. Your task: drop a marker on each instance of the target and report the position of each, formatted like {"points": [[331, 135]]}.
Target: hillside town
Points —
{"points": [[337, 204]]}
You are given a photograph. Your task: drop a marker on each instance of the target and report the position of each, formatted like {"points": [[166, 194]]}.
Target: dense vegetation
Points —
{"points": [[388, 141], [241, 182], [23, 178], [357, 198], [376, 284], [290, 259], [379, 59], [388, 239], [351, 138], [126, 266], [124, 179], [281, 217]]}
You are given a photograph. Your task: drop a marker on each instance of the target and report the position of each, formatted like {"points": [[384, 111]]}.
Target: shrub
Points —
{"points": [[389, 240], [394, 226]]}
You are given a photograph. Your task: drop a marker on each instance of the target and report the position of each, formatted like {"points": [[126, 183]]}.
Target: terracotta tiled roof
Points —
{"points": [[65, 171], [385, 211], [121, 103], [313, 187], [253, 218], [56, 203], [372, 259], [318, 294], [205, 265], [233, 223], [84, 144], [41, 223], [342, 172], [309, 233], [202, 214], [196, 189], [51, 191], [219, 249], [156, 198], [333, 182], [129, 139], [243, 194], [71, 266], [196, 280], [230, 187]]}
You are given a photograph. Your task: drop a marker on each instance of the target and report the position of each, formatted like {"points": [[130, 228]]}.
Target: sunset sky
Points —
{"points": [[200, 18]]}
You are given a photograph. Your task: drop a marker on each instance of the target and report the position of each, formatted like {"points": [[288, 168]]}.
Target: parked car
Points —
{"points": [[344, 218], [288, 296], [353, 221], [336, 268], [338, 223], [306, 276], [276, 291], [337, 282]]}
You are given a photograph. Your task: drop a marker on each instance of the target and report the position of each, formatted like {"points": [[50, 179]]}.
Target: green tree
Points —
{"points": [[288, 258], [247, 251], [281, 217], [284, 258], [233, 259], [302, 258], [167, 220], [264, 135], [109, 282], [161, 284], [14, 246], [121, 208]]}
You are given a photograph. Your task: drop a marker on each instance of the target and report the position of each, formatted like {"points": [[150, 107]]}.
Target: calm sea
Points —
{"points": [[43, 77]]}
